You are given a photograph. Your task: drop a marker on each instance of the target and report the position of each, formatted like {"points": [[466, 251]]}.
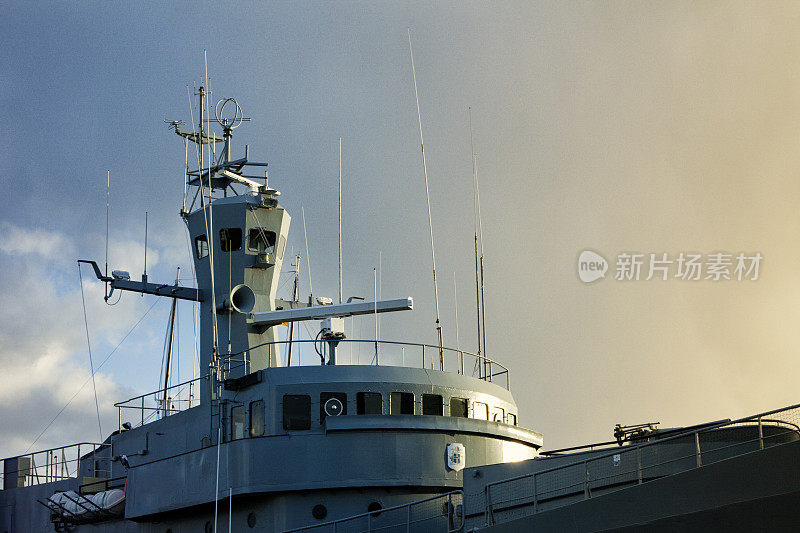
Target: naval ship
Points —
{"points": [[422, 438]]}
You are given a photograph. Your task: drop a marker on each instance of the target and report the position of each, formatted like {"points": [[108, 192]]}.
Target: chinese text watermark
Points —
{"points": [[630, 266]]}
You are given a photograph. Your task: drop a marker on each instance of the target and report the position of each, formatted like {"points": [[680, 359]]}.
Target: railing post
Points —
{"points": [[423, 356], [760, 435], [639, 463], [697, 449], [369, 521], [586, 493], [142, 410], [489, 518], [408, 518]]}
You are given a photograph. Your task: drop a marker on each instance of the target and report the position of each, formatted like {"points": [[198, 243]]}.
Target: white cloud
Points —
{"points": [[15, 240], [43, 348]]}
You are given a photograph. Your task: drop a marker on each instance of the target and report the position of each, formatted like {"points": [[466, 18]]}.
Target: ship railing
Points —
{"points": [[151, 405], [443, 513], [53, 464], [307, 352], [635, 464]]}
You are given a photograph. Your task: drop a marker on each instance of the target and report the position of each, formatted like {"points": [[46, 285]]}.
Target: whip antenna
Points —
{"points": [[108, 187], [479, 292], [340, 220], [430, 220], [308, 257]]}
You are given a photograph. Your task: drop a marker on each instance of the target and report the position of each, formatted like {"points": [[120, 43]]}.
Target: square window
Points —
{"points": [[237, 422], [332, 404], [432, 404], [201, 246], [498, 414], [296, 411], [257, 421], [369, 403], [459, 407], [401, 403], [230, 239], [260, 240], [480, 411]]}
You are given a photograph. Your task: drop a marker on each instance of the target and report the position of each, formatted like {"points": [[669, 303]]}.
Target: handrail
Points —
{"points": [[57, 448], [159, 391], [51, 467], [759, 419], [434, 349], [451, 509], [155, 395]]}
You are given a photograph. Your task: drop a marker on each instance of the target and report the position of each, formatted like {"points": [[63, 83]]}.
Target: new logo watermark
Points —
{"points": [[686, 266], [591, 266]]}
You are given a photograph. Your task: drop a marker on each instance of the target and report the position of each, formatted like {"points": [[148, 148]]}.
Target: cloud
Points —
{"points": [[43, 347], [18, 241]]}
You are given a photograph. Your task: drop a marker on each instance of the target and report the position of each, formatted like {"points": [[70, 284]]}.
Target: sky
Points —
{"points": [[616, 127]]}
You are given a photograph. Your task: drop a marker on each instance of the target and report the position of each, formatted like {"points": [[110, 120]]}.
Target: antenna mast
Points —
{"points": [[475, 213], [430, 219], [108, 187], [170, 340], [340, 220], [308, 258], [479, 293]]}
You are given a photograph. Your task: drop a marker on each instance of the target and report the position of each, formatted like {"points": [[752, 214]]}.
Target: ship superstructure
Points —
{"points": [[255, 441]]}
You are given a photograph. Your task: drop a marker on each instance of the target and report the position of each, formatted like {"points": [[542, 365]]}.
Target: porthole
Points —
{"points": [[251, 520], [208, 527], [319, 511], [374, 508]]}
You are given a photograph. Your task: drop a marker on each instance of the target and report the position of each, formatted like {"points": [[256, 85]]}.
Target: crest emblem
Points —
{"points": [[456, 456]]}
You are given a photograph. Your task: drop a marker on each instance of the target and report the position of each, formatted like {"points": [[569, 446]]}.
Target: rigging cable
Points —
{"points": [[88, 379], [89, 345]]}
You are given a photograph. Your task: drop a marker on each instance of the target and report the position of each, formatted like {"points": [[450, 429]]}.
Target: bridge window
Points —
{"points": [[257, 418], [459, 407], [511, 420], [201, 246], [432, 404], [230, 239], [332, 404], [260, 240], [480, 411], [401, 403], [237, 422], [369, 403], [499, 414], [296, 411]]}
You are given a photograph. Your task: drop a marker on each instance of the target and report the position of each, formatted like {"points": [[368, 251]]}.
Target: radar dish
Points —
{"points": [[230, 122]]}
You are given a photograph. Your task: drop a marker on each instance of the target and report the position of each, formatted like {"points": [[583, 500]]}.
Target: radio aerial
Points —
{"points": [[232, 122]]}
